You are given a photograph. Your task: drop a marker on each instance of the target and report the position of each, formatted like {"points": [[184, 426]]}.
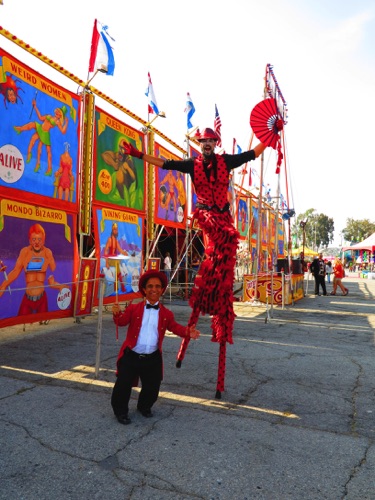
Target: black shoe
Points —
{"points": [[123, 419], [145, 413]]}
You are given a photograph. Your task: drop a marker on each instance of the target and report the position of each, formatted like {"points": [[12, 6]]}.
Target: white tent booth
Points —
{"points": [[367, 245]]}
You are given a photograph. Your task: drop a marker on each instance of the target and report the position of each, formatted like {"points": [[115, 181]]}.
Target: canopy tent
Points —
{"points": [[306, 251], [367, 244]]}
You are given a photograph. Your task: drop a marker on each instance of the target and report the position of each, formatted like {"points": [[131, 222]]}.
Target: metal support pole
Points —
{"points": [[100, 325]]}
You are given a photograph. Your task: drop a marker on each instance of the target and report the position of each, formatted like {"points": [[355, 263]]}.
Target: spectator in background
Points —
{"points": [[339, 273], [329, 270], [168, 266], [318, 269], [195, 263]]}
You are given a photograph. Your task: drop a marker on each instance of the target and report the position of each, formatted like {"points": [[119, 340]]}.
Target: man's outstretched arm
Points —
{"points": [[132, 151]]}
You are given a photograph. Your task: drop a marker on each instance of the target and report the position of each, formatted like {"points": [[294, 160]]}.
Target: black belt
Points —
{"points": [[141, 356], [214, 207]]}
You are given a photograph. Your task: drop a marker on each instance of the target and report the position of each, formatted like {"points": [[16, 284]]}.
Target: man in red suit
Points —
{"points": [[140, 355]]}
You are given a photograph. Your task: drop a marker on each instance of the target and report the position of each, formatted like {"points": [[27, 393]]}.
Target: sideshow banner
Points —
{"points": [[264, 229], [193, 153], [232, 198], [37, 251], [243, 260], [272, 232], [254, 221], [280, 240], [170, 185], [242, 217], [85, 287], [119, 251], [271, 291], [119, 178], [39, 145], [272, 257]]}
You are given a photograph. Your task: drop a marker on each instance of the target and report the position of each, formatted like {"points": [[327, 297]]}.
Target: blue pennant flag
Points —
{"points": [[189, 110]]}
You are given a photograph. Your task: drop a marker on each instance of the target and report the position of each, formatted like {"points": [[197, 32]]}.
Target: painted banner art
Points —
{"points": [[120, 178], [37, 264], [171, 206], [39, 135], [119, 252], [242, 217]]}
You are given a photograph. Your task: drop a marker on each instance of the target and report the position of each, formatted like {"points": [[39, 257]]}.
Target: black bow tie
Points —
{"points": [[150, 306]]}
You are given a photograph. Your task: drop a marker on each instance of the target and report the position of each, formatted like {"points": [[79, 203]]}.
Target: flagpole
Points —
{"points": [[260, 217], [149, 132], [187, 231], [89, 80], [276, 253], [190, 110]]}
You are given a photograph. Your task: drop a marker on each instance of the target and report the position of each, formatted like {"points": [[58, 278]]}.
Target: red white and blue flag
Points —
{"points": [[152, 105], [101, 57], [283, 203], [217, 126], [236, 148], [189, 110]]}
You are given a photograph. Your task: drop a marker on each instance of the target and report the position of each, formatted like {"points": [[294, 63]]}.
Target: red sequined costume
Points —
{"points": [[213, 290]]}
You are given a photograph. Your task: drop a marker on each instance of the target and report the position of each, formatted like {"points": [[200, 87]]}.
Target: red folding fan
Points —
{"points": [[266, 122]]}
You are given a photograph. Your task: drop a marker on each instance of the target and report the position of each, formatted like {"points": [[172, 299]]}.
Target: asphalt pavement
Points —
{"points": [[296, 419]]}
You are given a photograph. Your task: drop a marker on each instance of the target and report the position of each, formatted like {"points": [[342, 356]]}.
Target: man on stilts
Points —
{"points": [[213, 287]]}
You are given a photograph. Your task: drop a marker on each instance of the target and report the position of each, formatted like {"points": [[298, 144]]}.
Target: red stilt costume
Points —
{"points": [[213, 288]]}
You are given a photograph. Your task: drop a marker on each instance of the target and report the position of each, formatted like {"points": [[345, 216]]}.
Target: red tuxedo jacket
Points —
{"points": [[133, 316]]}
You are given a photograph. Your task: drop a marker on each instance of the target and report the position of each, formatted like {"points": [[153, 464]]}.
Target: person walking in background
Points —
{"points": [[329, 270], [168, 266], [318, 269], [339, 273], [140, 355]]}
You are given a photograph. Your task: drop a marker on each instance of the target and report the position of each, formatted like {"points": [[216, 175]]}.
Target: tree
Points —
{"points": [[324, 230], [319, 229], [358, 230]]}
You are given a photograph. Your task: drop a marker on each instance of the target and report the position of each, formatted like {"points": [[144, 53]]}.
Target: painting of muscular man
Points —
{"points": [[170, 202], [126, 173], [34, 260]]}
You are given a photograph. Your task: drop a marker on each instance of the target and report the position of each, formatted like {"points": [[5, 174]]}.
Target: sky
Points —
{"points": [[322, 53]]}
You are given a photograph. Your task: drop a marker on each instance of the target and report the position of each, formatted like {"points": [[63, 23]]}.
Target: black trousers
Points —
{"points": [[149, 369], [320, 280]]}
